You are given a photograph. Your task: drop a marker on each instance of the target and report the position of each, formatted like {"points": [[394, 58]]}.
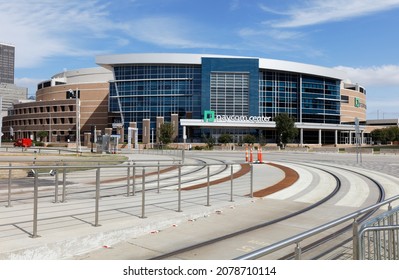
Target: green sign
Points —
{"points": [[357, 102], [209, 116]]}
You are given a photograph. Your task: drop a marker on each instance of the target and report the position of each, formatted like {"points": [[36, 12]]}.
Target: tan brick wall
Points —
{"points": [[348, 110]]}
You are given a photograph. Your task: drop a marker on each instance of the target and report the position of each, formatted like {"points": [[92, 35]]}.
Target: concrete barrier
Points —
{"points": [[325, 149], [389, 151], [363, 150]]}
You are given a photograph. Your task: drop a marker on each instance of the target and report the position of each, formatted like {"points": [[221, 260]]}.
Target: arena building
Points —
{"points": [[242, 95], [199, 94]]}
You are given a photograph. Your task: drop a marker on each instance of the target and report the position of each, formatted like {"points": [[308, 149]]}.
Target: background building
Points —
{"points": [[56, 112], [9, 92], [7, 61]]}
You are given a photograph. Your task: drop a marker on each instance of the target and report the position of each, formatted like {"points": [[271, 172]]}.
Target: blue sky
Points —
{"points": [[358, 36]]}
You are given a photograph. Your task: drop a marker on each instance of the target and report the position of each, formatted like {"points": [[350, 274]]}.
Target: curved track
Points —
{"points": [[246, 233]]}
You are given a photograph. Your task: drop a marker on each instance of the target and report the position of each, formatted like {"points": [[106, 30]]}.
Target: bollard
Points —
{"points": [[251, 155]]}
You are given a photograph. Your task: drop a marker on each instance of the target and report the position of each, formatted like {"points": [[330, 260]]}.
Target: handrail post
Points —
{"points": [[9, 185], [134, 179], [158, 177], [355, 240], [231, 183], [252, 180], [97, 206], [143, 195], [208, 186], [179, 189], [35, 204], [56, 184], [128, 180], [63, 182], [298, 252]]}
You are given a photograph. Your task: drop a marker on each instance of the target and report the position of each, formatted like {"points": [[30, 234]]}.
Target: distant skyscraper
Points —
{"points": [[7, 61]]}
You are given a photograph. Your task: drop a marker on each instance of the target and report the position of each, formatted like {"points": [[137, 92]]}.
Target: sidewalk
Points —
{"points": [[66, 229]]}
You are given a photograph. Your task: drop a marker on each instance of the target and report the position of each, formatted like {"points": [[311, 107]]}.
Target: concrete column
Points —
{"points": [[86, 139], [175, 123], [320, 137], [146, 131], [362, 137], [184, 136], [108, 131], [121, 132], [336, 137], [301, 136], [134, 132], [160, 121]]}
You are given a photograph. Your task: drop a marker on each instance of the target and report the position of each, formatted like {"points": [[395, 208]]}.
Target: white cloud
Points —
{"points": [[29, 83], [385, 75], [321, 11], [47, 28], [167, 32]]}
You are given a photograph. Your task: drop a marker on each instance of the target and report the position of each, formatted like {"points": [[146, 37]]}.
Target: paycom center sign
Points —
{"points": [[209, 116]]}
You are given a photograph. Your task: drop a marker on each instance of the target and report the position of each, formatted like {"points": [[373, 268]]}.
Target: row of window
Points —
{"points": [[44, 109], [49, 121]]}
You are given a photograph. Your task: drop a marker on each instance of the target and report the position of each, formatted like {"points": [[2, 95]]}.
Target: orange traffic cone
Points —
{"points": [[260, 155], [251, 156]]}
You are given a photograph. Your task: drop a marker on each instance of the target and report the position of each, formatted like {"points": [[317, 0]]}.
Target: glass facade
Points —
{"points": [[279, 93], [230, 93], [149, 91], [320, 100]]}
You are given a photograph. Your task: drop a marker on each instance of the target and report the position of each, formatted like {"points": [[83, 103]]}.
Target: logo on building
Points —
{"points": [[358, 104], [209, 116]]}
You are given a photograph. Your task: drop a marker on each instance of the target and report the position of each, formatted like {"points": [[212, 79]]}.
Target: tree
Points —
{"points": [[166, 133], [209, 140], [42, 134], [225, 138], [286, 130], [249, 139]]}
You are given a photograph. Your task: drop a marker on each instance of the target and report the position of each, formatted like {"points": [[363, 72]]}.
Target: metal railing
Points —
{"points": [[128, 177], [377, 238], [297, 240]]}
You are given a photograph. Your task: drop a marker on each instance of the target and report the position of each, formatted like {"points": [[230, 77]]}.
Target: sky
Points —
{"points": [[357, 36]]}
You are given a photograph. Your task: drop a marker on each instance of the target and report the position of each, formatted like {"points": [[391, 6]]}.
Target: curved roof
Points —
{"points": [[108, 61]]}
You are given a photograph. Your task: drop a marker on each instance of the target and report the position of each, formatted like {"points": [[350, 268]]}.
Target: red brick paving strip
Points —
{"points": [[291, 176]]}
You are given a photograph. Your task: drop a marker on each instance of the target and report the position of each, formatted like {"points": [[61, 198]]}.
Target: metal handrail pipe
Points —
{"points": [[111, 166], [307, 234]]}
